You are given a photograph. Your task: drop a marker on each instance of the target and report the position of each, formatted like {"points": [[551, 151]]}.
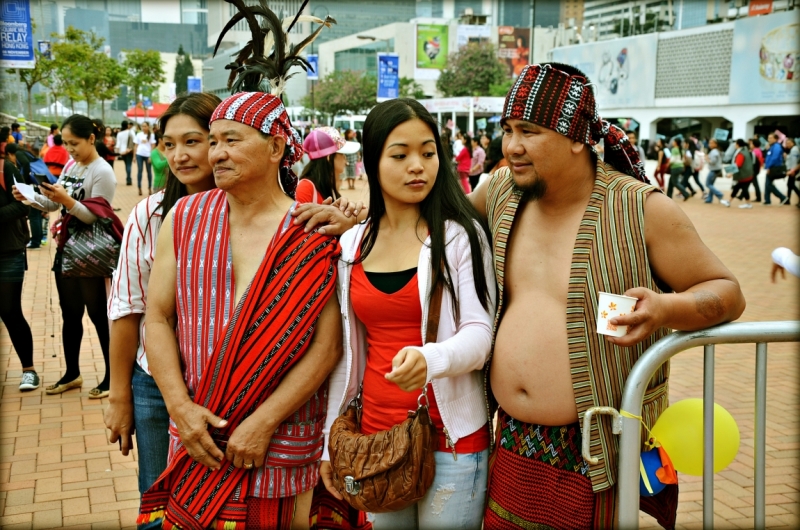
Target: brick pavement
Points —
{"points": [[57, 468]]}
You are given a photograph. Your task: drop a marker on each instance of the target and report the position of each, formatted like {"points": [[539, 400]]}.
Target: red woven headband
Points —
{"points": [[564, 102], [266, 113]]}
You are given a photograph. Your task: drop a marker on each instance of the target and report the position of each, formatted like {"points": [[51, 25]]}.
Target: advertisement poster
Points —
{"points": [[611, 66], [431, 46], [388, 76], [765, 63], [513, 46], [467, 33], [16, 35], [313, 72]]}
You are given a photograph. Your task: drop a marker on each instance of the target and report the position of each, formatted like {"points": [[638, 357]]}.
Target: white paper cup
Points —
{"points": [[610, 306]]}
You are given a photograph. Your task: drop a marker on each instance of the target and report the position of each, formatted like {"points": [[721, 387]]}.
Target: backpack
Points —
{"points": [[129, 145], [697, 163], [39, 169]]}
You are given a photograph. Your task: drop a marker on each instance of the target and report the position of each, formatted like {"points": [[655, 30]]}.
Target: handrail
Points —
{"points": [[630, 442]]}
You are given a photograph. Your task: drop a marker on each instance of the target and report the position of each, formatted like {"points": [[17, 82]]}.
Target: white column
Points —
{"points": [[743, 128], [453, 135], [471, 124]]}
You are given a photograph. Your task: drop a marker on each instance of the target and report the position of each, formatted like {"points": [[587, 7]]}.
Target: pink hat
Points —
{"points": [[325, 141]]}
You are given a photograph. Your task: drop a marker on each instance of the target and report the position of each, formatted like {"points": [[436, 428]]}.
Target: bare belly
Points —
{"points": [[530, 372]]}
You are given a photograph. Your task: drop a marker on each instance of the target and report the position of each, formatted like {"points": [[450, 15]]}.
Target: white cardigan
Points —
{"points": [[455, 361]]}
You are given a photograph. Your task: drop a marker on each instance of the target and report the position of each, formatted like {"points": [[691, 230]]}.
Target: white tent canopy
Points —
{"points": [[56, 108]]}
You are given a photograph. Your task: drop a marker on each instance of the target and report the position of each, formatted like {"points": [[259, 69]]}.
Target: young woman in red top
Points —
{"points": [[464, 164], [422, 231], [328, 153]]}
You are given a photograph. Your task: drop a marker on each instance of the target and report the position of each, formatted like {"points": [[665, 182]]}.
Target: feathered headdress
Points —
{"points": [[263, 64]]}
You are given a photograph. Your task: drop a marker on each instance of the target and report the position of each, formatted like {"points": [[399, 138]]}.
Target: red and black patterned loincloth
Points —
{"points": [[538, 480]]}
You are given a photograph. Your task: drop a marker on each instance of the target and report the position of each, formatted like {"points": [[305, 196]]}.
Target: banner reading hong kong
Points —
{"points": [[16, 35], [431, 46]]}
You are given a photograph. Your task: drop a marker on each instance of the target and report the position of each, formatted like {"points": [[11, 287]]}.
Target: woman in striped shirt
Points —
{"points": [[135, 403]]}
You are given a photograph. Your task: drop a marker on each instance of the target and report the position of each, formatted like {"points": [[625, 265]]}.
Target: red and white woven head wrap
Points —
{"points": [[265, 113], [560, 98]]}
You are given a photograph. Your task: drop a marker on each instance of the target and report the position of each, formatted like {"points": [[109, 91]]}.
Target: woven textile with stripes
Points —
{"points": [[269, 332]]}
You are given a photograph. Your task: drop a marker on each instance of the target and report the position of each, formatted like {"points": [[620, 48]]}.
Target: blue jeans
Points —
{"points": [[151, 420], [455, 500], [143, 161], [770, 189], [128, 159], [712, 191], [35, 217]]}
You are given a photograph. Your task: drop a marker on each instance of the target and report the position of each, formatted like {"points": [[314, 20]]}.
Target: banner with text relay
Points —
{"points": [[16, 35]]}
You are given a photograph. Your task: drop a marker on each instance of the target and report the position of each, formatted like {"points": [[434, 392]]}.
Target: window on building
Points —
{"points": [[194, 12]]}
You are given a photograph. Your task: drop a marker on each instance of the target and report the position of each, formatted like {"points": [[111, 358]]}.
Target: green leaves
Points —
{"points": [[471, 71], [183, 70], [144, 71], [343, 91]]}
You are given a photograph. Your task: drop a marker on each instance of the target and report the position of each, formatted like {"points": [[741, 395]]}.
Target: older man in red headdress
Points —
{"points": [[567, 225], [258, 331]]}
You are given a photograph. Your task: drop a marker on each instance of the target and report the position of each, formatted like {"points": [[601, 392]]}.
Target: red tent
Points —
{"points": [[138, 113]]}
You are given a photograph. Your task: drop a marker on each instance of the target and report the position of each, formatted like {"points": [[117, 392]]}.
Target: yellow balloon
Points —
{"points": [[679, 429]]}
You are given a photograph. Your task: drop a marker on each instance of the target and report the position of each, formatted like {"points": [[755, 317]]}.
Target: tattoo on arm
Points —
{"points": [[709, 304]]}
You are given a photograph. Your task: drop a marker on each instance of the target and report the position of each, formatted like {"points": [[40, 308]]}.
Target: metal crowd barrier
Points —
{"points": [[759, 333]]}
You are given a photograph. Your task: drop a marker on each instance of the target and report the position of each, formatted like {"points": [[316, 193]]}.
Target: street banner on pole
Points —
{"points": [[313, 72], [388, 76], [194, 84], [16, 35]]}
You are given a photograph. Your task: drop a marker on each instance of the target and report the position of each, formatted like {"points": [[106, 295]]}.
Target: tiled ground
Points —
{"points": [[57, 468]]}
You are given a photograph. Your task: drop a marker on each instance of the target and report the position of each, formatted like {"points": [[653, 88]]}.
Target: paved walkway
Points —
{"points": [[58, 470]]}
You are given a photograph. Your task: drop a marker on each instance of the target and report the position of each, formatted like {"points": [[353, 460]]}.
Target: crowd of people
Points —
{"points": [[741, 160], [252, 307]]}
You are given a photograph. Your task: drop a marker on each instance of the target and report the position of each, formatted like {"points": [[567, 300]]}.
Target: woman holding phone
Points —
{"points": [[88, 177]]}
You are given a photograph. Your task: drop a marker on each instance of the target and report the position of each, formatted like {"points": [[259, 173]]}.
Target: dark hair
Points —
{"points": [[198, 106], [11, 149], [57, 140], [741, 143], [445, 202], [756, 142], [53, 127], [468, 144], [494, 154], [692, 146], [5, 132], [321, 173], [124, 124], [14, 126], [84, 127]]}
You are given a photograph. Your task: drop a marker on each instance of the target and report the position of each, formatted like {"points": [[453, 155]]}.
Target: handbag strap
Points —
{"points": [[434, 312]]}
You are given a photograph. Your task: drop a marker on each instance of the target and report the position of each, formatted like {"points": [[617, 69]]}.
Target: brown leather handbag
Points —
{"points": [[389, 470]]}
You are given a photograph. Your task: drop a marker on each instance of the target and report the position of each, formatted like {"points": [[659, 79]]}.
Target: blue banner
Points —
{"points": [[194, 84], [388, 76], [16, 35], [313, 72]]}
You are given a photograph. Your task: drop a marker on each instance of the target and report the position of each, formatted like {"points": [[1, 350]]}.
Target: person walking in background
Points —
{"points": [[145, 141], [13, 263], [758, 163], [135, 402], [743, 159], [111, 143], [56, 157], [458, 144], [634, 142], [83, 194], [662, 162], [494, 156], [52, 135], [478, 158], [352, 159], [676, 169], [159, 162], [125, 146], [714, 159], [464, 164], [688, 161], [776, 170], [792, 167], [698, 161]]}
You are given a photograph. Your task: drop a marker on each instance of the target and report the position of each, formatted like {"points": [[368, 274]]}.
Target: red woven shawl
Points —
{"points": [[269, 332]]}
